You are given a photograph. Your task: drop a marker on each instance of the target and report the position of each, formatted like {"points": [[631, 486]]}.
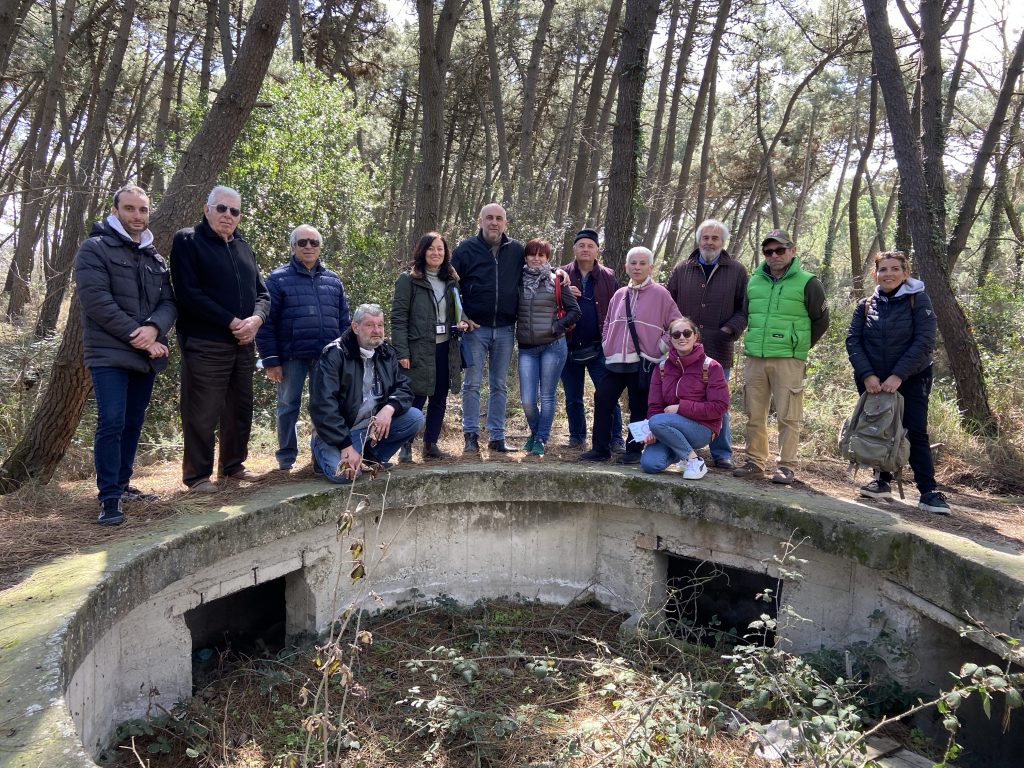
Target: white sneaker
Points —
{"points": [[695, 469]]}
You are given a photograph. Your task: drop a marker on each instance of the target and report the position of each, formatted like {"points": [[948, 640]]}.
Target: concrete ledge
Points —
{"points": [[82, 631]]}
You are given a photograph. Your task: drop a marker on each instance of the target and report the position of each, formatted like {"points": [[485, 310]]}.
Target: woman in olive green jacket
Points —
{"points": [[424, 313]]}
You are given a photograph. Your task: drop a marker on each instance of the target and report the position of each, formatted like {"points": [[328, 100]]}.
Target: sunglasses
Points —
{"points": [[777, 251], [221, 208], [302, 242], [683, 334]]}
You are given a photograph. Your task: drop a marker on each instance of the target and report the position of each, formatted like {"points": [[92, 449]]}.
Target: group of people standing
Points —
{"points": [[455, 313]]}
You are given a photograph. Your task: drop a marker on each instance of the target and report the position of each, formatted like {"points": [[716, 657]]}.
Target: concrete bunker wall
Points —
{"points": [[547, 532], [553, 549]]}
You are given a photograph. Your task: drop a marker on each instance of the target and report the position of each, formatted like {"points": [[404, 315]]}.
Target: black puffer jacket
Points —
{"points": [[537, 323], [121, 286], [892, 334], [215, 282], [336, 388], [490, 286]]}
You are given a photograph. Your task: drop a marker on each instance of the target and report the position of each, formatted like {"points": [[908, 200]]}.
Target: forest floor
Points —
{"points": [[41, 523]]}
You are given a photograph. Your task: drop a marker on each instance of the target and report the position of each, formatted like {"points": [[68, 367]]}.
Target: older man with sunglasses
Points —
{"points": [[787, 314], [308, 310], [222, 303]]}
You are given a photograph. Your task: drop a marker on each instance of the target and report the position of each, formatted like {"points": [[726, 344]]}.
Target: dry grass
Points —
{"points": [[585, 712]]}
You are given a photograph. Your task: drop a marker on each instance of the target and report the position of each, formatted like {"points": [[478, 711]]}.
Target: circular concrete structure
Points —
{"points": [[99, 637]]}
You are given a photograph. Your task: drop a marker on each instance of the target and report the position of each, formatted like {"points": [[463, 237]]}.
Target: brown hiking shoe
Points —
{"points": [[748, 469]]}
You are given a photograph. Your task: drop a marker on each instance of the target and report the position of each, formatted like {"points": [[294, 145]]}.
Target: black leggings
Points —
{"points": [[605, 399]]}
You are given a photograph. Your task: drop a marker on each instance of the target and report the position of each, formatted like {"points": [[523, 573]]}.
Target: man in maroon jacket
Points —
{"points": [[709, 288], [592, 284]]}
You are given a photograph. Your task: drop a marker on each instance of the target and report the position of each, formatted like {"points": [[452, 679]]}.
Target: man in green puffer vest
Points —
{"points": [[787, 314]]}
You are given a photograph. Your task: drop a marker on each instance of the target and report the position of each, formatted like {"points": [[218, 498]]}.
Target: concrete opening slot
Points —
{"points": [[250, 622], [709, 602]]}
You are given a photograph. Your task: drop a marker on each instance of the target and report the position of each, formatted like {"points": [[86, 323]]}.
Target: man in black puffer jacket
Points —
{"points": [[490, 266], [127, 310], [360, 400], [222, 303]]}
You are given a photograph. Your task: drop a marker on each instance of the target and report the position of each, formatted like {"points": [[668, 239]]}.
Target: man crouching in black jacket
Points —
{"points": [[360, 400]]}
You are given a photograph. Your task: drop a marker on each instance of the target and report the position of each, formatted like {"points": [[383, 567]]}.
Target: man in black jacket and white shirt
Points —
{"points": [[360, 400], [127, 310], [222, 302]]}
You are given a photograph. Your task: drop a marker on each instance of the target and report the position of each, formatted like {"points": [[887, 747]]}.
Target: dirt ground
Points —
{"points": [[38, 524]]}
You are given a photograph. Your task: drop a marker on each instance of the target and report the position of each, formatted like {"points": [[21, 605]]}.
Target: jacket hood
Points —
{"points": [[909, 287], [111, 227]]}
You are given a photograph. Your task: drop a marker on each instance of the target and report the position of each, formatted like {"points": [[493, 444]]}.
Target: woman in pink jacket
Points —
{"points": [[688, 398]]}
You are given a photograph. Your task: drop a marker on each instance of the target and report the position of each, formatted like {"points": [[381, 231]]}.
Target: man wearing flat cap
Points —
{"points": [[592, 284], [787, 314]]}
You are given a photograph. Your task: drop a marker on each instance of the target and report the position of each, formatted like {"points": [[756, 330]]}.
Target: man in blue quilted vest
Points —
{"points": [[308, 310], [787, 314]]}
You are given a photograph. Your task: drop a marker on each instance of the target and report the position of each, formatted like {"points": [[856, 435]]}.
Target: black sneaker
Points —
{"points": [[131, 493], [110, 512], [876, 489], [500, 446], [472, 443], [935, 502], [595, 455], [629, 458], [405, 453], [618, 445]]}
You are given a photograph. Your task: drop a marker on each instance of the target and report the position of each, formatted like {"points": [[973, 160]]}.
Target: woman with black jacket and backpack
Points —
{"points": [[890, 343]]}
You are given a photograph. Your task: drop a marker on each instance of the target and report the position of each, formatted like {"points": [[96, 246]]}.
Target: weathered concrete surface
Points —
{"points": [[92, 627]]}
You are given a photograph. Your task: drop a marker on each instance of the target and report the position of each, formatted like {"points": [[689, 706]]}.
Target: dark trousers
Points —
{"points": [[607, 397], [439, 398], [216, 389], [121, 400], [573, 384], [915, 391]]}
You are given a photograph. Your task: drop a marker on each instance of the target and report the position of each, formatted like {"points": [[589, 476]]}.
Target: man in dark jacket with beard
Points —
{"points": [[490, 267], [308, 310], [127, 309], [710, 287], [222, 303], [360, 400]]}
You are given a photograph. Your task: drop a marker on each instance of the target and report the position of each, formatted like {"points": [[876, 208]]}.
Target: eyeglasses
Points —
{"points": [[302, 242], [683, 334], [777, 251], [221, 208]]}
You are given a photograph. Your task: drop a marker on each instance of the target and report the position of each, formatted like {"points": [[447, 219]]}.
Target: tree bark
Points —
{"points": [[39, 451], [853, 217], [434, 57], [968, 208], [88, 183], [637, 31], [707, 84], [295, 27], [151, 177], [32, 201], [497, 106], [588, 132], [964, 359], [227, 45], [12, 14], [524, 175]]}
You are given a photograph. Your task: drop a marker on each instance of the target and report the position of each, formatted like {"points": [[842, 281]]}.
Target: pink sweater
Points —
{"points": [[654, 309]]}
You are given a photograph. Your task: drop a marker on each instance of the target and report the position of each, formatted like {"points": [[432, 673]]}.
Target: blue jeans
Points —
{"points": [[121, 400], [326, 457], [677, 436], [539, 368], [573, 383], [494, 344], [289, 401], [721, 446]]}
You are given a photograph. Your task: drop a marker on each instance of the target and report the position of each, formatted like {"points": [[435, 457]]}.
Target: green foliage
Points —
{"points": [[298, 162]]}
